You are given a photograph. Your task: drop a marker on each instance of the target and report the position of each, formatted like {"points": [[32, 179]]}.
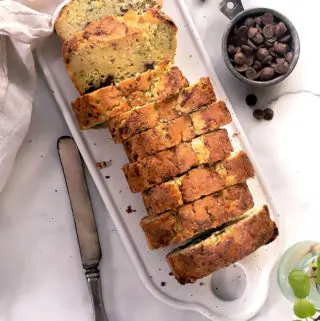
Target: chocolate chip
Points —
{"points": [[268, 114], [267, 19], [282, 67], [149, 66], [258, 39], [280, 30], [262, 53], [267, 61], [252, 74], [242, 68], [249, 22], [289, 56], [268, 31], [240, 58], [280, 48], [231, 50], [252, 45], [238, 49], [251, 100], [242, 32], [258, 114], [258, 20], [257, 64], [285, 38], [252, 32], [249, 60], [247, 49], [267, 73], [279, 60]]}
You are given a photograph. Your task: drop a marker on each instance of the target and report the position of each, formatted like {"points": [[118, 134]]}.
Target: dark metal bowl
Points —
{"points": [[236, 14]]}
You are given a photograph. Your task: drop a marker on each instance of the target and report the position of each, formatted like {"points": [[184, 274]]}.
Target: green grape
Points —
{"points": [[300, 283], [304, 309]]}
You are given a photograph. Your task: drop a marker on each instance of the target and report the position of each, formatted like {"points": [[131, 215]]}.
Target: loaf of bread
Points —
{"points": [[212, 211], [148, 116], [103, 104], [155, 169], [198, 182], [182, 129], [77, 14], [116, 48], [199, 257]]}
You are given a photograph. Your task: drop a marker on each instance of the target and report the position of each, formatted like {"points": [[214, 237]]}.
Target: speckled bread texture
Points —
{"points": [[198, 182], [116, 48], [155, 169], [148, 116], [209, 212], [227, 246], [77, 14], [182, 129], [103, 104]]}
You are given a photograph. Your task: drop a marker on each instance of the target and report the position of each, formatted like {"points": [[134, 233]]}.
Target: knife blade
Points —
{"points": [[73, 169]]}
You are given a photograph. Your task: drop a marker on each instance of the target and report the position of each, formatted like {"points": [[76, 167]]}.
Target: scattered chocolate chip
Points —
{"points": [[267, 19], [129, 210], [282, 67], [268, 114], [163, 283], [258, 114], [268, 31], [240, 58], [201, 283], [252, 74], [107, 177], [251, 100], [149, 66], [267, 73], [170, 273]]}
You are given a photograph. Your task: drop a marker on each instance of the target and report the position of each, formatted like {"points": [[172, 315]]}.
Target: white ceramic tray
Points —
{"points": [[252, 273]]}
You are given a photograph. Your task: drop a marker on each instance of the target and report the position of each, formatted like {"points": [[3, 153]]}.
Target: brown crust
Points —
{"points": [[209, 212], [153, 170], [182, 129], [218, 251], [198, 182], [140, 119], [112, 101]]}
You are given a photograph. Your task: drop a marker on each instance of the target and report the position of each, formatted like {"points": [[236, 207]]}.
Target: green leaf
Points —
{"points": [[318, 271], [304, 309], [300, 283]]}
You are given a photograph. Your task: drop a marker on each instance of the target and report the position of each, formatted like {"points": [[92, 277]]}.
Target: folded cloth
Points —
{"points": [[21, 28]]}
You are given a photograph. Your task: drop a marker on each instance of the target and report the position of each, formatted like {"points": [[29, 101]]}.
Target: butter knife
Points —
{"points": [[85, 224]]}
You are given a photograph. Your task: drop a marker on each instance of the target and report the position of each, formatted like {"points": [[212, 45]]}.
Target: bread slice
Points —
{"points": [[77, 14], [116, 48], [148, 116], [182, 129], [198, 182], [158, 84], [153, 170], [202, 257], [212, 211]]}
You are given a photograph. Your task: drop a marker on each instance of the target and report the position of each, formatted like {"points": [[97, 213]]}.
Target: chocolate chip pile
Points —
{"points": [[260, 47]]}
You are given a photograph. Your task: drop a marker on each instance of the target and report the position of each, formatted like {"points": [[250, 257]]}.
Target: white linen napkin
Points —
{"points": [[20, 29]]}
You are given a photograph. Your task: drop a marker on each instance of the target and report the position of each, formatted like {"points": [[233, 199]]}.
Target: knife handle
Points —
{"points": [[94, 284]]}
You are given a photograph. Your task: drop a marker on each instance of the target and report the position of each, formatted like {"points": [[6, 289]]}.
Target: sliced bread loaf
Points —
{"points": [[77, 14], [212, 211], [116, 48]]}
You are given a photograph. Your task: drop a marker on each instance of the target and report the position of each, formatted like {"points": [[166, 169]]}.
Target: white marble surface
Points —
{"points": [[41, 274]]}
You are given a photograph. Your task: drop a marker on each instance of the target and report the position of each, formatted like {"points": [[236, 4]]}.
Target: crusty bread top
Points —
{"points": [[77, 14]]}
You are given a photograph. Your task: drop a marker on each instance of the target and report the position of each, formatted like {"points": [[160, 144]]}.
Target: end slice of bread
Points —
{"points": [[200, 258], [116, 48], [77, 14]]}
